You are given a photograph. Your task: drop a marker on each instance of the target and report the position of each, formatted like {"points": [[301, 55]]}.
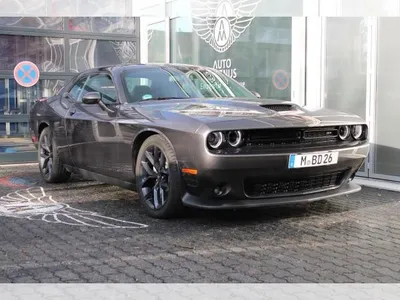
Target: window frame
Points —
{"points": [[87, 75], [84, 76], [95, 74]]}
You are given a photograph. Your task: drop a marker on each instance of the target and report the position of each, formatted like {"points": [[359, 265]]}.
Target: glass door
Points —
{"points": [[346, 61], [385, 156]]}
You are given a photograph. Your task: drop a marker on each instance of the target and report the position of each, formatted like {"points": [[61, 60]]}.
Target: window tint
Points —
{"points": [[103, 84], [77, 88]]}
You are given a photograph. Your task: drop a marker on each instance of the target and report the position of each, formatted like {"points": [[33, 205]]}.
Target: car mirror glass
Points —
{"points": [[91, 98]]}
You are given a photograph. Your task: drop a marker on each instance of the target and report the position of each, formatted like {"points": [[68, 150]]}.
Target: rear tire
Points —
{"points": [[158, 179], [50, 166]]}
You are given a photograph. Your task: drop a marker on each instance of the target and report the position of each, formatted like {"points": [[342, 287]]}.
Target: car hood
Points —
{"points": [[236, 113]]}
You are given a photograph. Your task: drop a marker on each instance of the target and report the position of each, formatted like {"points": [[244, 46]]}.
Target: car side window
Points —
{"points": [[103, 84], [139, 88], [77, 88]]}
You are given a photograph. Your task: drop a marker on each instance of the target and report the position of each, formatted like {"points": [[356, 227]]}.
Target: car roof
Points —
{"points": [[121, 67]]}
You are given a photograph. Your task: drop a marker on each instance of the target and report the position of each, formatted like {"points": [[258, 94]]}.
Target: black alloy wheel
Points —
{"points": [[155, 179], [158, 178], [50, 165]]}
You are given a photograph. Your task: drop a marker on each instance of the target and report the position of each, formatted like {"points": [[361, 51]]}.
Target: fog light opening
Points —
{"points": [[352, 177], [221, 190]]}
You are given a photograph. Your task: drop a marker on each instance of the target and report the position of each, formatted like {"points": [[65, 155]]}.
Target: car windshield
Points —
{"points": [[212, 83], [158, 83], [162, 83]]}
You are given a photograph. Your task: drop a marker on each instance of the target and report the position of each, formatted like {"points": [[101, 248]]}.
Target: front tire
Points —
{"points": [[158, 180], [50, 166]]}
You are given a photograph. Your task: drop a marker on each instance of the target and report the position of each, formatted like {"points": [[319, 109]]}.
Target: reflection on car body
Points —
{"points": [[184, 135]]}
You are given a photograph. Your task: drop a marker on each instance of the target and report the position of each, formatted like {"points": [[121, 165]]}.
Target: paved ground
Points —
{"points": [[90, 232]]}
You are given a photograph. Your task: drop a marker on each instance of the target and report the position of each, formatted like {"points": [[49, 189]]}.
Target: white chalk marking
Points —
{"points": [[34, 204]]}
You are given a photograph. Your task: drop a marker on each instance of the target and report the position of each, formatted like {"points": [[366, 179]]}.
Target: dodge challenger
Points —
{"points": [[190, 136]]}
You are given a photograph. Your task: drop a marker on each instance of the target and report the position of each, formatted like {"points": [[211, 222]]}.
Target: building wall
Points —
{"points": [[60, 47], [348, 63]]}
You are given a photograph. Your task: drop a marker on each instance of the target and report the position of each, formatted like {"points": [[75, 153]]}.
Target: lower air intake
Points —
{"points": [[258, 188]]}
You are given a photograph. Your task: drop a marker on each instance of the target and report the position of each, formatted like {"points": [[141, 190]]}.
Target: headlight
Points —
{"points": [[344, 132], [357, 131], [235, 138], [215, 139]]}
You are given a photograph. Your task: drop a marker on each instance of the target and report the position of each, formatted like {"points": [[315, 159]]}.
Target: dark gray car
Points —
{"points": [[185, 135]]}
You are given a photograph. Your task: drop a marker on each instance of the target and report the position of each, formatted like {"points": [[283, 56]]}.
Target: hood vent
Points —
{"points": [[280, 107]]}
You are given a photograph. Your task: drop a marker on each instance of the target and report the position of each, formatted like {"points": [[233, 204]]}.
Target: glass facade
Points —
{"points": [[85, 53], [386, 158], [60, 47], [346, 65], [156, 42], [30, 22], [111, 25], [47, 52], [259, 55], [16, 101]]}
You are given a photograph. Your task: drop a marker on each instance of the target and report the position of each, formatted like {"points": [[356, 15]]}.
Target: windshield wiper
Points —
{"points": [[164, 98]]}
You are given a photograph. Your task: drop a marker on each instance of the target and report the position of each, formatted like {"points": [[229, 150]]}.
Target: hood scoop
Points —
{"points": [[280, 107]]}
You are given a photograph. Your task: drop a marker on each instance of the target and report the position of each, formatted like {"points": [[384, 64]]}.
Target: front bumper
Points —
{"points": [[193, 201], [279, 185]]}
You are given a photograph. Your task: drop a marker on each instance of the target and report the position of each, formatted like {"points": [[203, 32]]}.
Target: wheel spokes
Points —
{"points": [[46, 158], [156, 191], [157, 155], [150, 157], [147, 168], [162, 161], [45, 162], [154, 183], [162, 194], [46, 145], [50, 166]]}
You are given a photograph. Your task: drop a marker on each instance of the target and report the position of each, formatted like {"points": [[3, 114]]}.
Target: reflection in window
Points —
{"points": [[32, 22], [156, 42], [216, 84], [103, 84], [77, 89], [119, 25], [46, 52], [157, 83], [86, 54], [253, 59], [18, 100], [346, 62]]}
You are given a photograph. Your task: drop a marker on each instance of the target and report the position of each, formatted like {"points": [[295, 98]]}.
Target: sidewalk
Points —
{"points": [[17, 150]]}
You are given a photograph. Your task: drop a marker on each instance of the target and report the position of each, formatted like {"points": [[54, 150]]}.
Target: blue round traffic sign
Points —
{"points": [[26, 73]]}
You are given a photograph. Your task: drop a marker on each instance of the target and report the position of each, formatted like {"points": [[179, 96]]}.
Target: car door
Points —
{"points": [[91, 130]]}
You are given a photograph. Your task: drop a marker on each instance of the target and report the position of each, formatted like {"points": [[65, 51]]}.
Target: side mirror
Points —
{"points": [[92, 98], [257, 94]]}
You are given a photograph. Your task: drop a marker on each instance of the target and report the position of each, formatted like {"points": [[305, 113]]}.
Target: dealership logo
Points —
{"points": [[221, 22]]}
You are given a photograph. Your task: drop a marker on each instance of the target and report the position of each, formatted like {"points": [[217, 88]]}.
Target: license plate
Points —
{"points": [[313, 159]]}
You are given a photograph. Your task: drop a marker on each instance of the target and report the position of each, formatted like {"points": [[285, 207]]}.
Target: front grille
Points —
{"points": [[276, 138], [256, 188]]}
